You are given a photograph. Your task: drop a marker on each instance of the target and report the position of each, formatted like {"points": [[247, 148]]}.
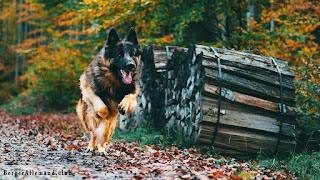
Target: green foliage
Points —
{"points": [[305, 166], [308, 100], [55, 75], [7, 91], [22, 104]]}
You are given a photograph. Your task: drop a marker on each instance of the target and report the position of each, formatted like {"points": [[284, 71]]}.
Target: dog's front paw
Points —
{"points": [[102, 150], [103, 112], [90, 150], [128, 104]]}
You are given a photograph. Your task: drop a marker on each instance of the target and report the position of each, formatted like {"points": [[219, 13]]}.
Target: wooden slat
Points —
{"points": [[251, 73], [251, 100], [242, 141], [212, 102], [257, 61], [249, 87], [249, 121]]}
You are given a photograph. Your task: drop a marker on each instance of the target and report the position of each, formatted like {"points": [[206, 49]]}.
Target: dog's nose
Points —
{"points": [[130, 65]]}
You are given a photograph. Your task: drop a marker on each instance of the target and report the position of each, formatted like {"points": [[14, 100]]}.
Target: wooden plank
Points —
{"points": [[251, 100], [249, 87], [249, 121], [242, 141], [160, 65], [251, 73], [171, 48], [258, 61], [212, 102]]}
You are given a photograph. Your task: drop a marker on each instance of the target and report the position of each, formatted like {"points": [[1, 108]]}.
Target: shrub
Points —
{"points": [[308, 100], [54, 77]]}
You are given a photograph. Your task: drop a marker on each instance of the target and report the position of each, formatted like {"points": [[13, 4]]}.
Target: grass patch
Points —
{"points": [[30, 103], [305, 166], [22, 104], [146, 136]]}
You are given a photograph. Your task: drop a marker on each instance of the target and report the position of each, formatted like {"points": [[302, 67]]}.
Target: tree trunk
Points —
{"points": [[24, 54], [85, 35], [16, 74], [71, 26], [250, 15], [1, 31], [272, 19], [6, 33]]}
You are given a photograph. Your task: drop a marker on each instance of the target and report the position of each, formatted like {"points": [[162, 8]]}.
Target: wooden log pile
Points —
{"points": [[152, 75], [183, 89], [250, 114], [180, 89]]}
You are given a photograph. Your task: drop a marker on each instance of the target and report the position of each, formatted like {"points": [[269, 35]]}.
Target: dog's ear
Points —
{"points": [[113, 38], [132, 37]]}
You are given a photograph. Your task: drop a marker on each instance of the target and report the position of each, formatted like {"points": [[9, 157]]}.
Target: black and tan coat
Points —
{"points": [[109, 86]]}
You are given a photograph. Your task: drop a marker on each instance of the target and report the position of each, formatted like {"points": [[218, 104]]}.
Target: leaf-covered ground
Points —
{"points": [[52, 146]]}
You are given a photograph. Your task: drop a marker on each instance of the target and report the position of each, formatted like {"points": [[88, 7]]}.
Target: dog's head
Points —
{"points": [[123, 55]]}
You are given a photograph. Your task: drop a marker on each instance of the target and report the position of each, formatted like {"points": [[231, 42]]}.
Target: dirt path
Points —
{"points": [[52, 147]]}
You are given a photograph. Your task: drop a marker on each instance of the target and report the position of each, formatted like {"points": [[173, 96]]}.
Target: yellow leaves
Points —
{"points": [[71, 32], [36, 31], [89, 1], [167, 39], [277, 19], [2, 67], [246, 175], [293, 45]]}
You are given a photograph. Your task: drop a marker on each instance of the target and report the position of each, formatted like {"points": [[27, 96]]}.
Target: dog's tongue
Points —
{"points": [[127, 77]]}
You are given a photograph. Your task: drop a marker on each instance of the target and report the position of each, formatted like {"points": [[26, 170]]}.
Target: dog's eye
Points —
{"points": [[119, 55]]}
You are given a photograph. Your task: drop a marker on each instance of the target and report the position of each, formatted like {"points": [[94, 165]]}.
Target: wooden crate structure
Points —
{"points": [[180, 92]]}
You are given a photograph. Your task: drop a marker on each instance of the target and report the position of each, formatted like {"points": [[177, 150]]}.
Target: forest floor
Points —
{"points": [[52, 146]]}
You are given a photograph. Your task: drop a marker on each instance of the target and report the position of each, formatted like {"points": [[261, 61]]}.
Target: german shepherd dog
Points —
{"points": [[109, 86]]}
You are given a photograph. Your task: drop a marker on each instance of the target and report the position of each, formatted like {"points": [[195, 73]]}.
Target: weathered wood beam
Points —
{"points": [[242, 140], [248, 87], [250, 100], [251, 73], [249, 121], [257, 61]]}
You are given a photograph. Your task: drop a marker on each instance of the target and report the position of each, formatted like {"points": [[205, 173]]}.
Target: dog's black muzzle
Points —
{"points": [[130, 66]]}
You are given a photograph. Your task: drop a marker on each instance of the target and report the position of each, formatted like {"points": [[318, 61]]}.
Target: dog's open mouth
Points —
{"points": [[126, 76]]}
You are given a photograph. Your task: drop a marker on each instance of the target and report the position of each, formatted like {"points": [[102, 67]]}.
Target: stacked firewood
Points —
{"points": [[180, 91], [250, 118], [183, 88], [151, 81]]}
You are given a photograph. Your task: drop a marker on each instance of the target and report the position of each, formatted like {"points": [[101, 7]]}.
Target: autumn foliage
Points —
{"points": [[59, 38]]}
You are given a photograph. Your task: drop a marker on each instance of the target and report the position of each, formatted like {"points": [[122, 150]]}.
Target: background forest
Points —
{"points": [[46, 45]]}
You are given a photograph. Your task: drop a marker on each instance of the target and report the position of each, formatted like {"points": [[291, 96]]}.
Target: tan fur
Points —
{"points": [[101, 128], [129, 102], [96, 116]]}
